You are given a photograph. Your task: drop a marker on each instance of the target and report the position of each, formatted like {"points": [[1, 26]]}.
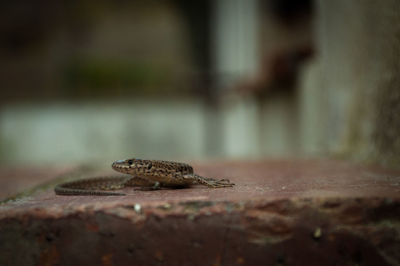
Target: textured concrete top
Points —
{"points": [[261, 180], [281, 212]]}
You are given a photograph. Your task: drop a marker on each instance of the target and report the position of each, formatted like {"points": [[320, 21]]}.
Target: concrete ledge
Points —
{"points": [[280, 213]]}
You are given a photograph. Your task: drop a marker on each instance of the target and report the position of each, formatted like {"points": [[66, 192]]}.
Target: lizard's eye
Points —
{"points": [[149, 166], [130, 162]]}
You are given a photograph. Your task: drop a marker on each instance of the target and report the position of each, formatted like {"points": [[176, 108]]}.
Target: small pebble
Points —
{"points": [[317, 233], [137, 208]]}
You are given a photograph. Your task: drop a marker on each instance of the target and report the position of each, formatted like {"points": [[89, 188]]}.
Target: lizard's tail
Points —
{"points": [[92, 186]]}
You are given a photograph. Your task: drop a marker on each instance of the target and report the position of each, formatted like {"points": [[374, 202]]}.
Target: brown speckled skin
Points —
{"points": [[164, 172], [145, 173]]}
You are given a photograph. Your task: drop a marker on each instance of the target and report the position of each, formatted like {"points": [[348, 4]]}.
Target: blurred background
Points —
{"points": [[96, 81]]}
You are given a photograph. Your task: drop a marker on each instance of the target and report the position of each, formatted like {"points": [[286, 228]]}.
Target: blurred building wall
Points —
{"points": [[126, 84], [59, 133], [350, 96], [117, 81]]}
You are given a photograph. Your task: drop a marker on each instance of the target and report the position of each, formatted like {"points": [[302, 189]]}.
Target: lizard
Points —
{"points": [[150, 174]]}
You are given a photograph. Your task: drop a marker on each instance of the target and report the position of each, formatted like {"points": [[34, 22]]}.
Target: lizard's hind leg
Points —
{"points": [[214, 183]]}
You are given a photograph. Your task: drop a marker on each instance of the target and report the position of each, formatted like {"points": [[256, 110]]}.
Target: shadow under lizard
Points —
{"points": [[148, 174]]}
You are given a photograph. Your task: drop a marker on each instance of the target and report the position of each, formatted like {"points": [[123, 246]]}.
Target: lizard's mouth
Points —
{"points": [[120, 166]]}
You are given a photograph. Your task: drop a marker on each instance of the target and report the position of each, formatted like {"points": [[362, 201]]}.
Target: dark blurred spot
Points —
{"points": [[289, 12]]}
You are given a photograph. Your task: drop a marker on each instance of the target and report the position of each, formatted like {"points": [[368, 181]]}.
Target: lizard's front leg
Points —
{"points": [[144, 183]]}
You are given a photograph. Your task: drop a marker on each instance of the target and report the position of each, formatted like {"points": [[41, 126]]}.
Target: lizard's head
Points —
{"points": [[129, 166]]}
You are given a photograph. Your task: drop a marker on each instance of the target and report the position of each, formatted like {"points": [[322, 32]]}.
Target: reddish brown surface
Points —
{"points": [[14, 179], [280, 212]]}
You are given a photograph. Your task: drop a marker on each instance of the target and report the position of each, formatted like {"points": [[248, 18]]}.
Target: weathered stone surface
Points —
{"points": [[280, 212], [15, 179]]}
